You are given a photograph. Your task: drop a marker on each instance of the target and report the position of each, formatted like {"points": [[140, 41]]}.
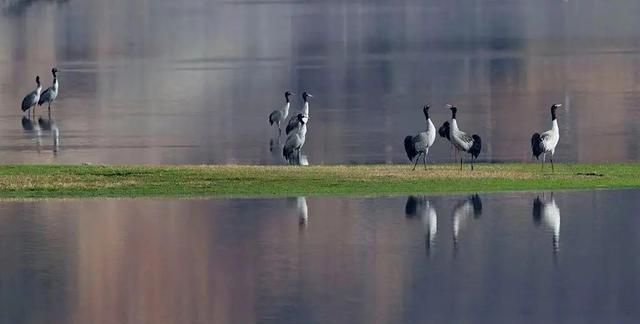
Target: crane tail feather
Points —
{"points": [[536, 145], [476, 147], [410, 148]]}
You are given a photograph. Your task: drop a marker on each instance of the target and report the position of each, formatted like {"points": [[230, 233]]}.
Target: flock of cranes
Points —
{"points": [[416, 146], [296, 130], [39, 98]]}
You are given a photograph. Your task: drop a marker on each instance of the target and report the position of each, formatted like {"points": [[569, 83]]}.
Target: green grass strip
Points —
{"points": [[60, 181]]}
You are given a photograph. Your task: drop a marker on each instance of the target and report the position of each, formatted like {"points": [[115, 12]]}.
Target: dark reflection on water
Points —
{"points": [[323, 260], [37, 131], [194, 81]]}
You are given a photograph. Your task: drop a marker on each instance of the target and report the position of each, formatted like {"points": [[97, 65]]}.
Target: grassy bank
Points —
{"points": [[33, 181]]}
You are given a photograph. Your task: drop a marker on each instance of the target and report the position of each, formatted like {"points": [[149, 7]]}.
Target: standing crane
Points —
{"points": [[295, 140], [31, 99], [463, 142], [50, 95], [293, 121], [544, 143], [280, 115], [419, 145]]}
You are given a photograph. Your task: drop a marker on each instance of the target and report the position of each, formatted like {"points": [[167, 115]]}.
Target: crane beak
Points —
{"points": [[448, 106]]}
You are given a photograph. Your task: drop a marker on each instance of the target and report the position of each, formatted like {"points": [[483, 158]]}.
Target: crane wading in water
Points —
{"points": [[293, 121], [278, 116], [50, 95], [31, 99]]}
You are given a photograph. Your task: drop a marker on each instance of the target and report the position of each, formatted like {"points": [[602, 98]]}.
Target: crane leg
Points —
{"points": [[49, 108], [460, 162], [417, 159], [424, 160], [472, 163], [543, 158], [551, 158]]}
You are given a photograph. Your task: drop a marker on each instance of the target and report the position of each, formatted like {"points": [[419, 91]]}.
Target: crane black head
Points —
{"points": [[287, 94], [553, 111], [306, 96], [38, 79], [54, 71], [425, 110], [454, 110]]}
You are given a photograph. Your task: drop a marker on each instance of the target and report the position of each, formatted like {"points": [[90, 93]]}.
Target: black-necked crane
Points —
{"points": [[31, 99], [295, 140], [50, 95], [547, 212], [293, 122], [463, 142], [544, 143], [278, 116], [419, 145]]}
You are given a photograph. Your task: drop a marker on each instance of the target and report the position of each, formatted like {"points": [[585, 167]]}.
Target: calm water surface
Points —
{"points": [[568, 257], [193, 81]]}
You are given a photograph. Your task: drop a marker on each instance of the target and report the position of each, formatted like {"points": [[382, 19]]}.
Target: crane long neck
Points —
{"points": [[454, 125], [428, 120], [305, 108], [554, 125]]}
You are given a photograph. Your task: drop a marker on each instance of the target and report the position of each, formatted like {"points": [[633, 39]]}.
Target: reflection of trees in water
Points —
{"points": [[17, 7]]}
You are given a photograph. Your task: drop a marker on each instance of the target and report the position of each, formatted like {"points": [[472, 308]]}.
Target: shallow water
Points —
{"points": [[193, 81], [466, 259]]}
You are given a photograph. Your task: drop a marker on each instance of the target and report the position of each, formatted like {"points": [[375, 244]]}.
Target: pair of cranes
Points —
{"points": [[37, 97], [418, 145], [296, 130]]}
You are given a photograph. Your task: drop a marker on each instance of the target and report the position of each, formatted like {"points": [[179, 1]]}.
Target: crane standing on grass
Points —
{"points": [[463, 142], [419, 145], [544, 143]]}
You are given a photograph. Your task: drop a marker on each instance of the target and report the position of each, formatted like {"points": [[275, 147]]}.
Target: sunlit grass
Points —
{"points": [[33, 181]]}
